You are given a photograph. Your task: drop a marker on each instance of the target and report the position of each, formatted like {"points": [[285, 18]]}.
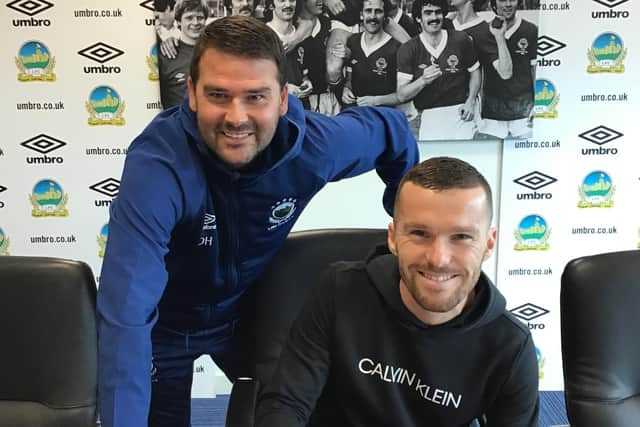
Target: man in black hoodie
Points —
{"points": [[415, 337]]}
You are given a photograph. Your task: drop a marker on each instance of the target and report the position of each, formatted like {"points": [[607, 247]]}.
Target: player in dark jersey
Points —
{"points": [[345, 21], [440, 72], [190, 16], [489, 41], [507, 105], [322, 98], [371, 67], [280, 16]]}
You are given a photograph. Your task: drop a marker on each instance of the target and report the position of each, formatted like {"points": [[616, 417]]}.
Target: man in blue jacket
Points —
{"points": [[209, 192]]}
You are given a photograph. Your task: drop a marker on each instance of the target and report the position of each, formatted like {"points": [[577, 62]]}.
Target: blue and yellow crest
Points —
{"points": [[48, 199], [152, 63], [4, 243], [546, 100], [607, 54], [541, 362], [35, 63], [102, 239], [532, 234], [105, 107], [596, 191]]}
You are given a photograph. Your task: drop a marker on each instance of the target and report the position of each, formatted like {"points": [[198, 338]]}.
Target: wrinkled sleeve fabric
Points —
{"points": [[132, 281], [304, 364], [360, 139], [517, 404]]}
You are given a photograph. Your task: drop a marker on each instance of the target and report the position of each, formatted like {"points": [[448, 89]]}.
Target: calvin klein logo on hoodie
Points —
{"points": [[392, 374]]}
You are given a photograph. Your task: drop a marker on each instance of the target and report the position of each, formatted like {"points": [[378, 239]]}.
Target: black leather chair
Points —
{"points": [[600, 330], [48, 343], [279, 296]]}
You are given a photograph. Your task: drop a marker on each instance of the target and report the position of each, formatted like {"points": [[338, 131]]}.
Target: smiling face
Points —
{"points": [[242, 7], [441, 239], [284, 9], [192, 24], [432, 18], [506, 9], [237, 102], [373, 16]]}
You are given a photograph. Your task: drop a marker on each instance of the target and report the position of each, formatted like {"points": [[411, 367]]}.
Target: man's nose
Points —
{"points": [[438, 253], [236, 112]]}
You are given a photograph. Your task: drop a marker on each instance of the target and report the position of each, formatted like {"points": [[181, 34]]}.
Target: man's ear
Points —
{"points": [[284, 100], [391, 241], [192, 94], [491, 243]]}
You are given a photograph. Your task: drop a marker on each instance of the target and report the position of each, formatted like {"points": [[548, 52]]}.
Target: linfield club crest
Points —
{"points": [[102, 239], [105, 107], [532, 234], [152, 63], [48, 199], [282, 212], [607, 54], [546, 100], [35, 62], [4, 243], [596, 191]]}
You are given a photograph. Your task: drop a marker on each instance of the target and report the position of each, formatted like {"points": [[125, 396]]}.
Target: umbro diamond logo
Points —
{"points": [[600, 135], [43, 144], [548, 45], [528, 312], [100, 52], [148, 4], [109, 187], [535, 180], [611, 3], [30, 7]]}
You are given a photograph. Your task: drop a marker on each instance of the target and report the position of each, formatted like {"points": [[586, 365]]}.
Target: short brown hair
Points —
{"points": [[447, 173], [241, 36]]}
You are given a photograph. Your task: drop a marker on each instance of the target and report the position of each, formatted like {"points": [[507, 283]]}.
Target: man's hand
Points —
{"points": [[305, 89], [335, 6], [466, 111], [340, 50], [169, 47], [367, 101], [347, 96], [431, 73]]}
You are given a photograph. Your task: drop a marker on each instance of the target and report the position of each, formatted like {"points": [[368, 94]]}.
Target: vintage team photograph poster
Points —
{"points": [[458, 69]]}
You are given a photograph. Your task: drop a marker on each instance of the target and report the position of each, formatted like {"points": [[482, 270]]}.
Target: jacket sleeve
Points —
{"points": [[360, 139], [132, 281], [517, 404], [302, 371]]}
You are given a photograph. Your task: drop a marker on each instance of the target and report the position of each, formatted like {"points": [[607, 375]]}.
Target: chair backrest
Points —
{"points": [[48, 343], [281, 290], [600, 330]]}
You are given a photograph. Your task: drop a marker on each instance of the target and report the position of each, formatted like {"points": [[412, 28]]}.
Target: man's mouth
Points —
{"points": [[434, 22], [436, 277], [236, 135]]}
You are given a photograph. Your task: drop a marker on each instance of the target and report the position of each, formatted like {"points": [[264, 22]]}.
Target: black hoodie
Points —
{"points": [[384, 367]]}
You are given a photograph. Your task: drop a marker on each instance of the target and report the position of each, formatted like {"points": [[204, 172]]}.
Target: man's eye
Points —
{"points": [[217, 96], [462, 237], [256, 98], [418, 233]]}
